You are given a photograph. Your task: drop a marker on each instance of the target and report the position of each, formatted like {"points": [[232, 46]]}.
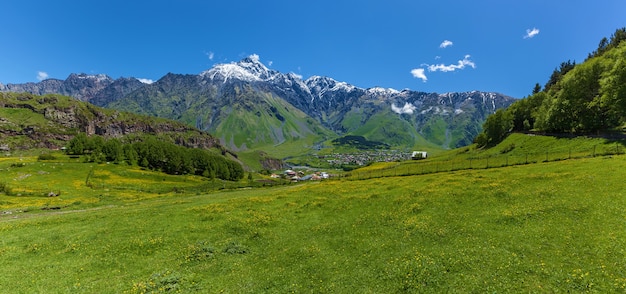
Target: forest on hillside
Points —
{"points": [[149, 152], [578, 98]]}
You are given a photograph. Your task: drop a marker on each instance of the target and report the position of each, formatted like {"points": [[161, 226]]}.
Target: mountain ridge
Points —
{"points": [[268, 108]]}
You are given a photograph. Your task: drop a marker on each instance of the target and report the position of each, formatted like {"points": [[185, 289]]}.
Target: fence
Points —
{"points": [[464, 162]]}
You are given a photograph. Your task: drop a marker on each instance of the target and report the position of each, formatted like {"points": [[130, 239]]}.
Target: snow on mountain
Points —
{"points": [[98, 77], [328, 84], [249, 69], [382, 91]]}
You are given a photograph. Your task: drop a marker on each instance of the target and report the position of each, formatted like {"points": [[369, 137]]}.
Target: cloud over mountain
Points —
{"points": [[42, 75], [461, 64], [419, 73], [408, 108]]}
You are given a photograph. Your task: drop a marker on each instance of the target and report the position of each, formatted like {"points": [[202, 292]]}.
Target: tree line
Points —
{"points": [[578, 98], [153, 153]]}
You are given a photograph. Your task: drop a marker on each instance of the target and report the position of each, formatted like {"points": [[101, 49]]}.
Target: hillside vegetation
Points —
{"points": [[579, 98], [545, 227], [30, 121]]}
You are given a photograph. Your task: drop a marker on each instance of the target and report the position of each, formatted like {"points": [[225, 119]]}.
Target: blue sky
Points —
{"points": [[431, 46]]}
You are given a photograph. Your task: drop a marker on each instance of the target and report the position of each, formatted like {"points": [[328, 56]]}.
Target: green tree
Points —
{"points": [[77, 144], [613, 90], [130, 154], [497, 127], [558, 74], [113, 150]]}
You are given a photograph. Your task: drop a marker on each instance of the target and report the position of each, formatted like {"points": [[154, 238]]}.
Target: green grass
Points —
{"points": [[27, 183], [517, 149], [546, 227]]}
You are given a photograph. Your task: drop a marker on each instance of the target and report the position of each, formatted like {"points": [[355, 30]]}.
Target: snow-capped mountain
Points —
{"points": [[248, 105], [249, 69]]}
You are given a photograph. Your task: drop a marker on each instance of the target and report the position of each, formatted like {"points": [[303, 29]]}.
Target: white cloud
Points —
{"points": [[211, 55], [531, 33], [461, 64], [255, 57], [408, 108], [42, 75], [146, 81], [419, 73], [270, 63], [445, 44]]}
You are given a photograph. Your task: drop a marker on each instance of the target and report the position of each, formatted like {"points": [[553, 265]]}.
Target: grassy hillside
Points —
{"points": [[29, 121], [517, 149], [545, 227], [586, 98]]}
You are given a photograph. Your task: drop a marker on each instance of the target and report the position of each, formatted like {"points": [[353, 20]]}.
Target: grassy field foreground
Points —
{"points": [[546, 227]]}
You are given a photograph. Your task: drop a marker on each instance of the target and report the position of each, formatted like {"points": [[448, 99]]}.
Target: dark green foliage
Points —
{"points": [[497, 127], [5, 188], [236, 248], [200, 251], [175, 159], [46, 156], [606, 44], [359, 142], [558, 73], [584, 98], [130, 154], [113, 150], [150, 152], [78, 144]]}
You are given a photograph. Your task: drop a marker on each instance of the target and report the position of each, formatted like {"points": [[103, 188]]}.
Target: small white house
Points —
{"points": [[419, 155]]}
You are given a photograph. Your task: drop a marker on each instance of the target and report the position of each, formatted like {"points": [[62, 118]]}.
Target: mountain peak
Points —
{"points": [[249, 69], [322, 84], [254, 58], [84, 76]]}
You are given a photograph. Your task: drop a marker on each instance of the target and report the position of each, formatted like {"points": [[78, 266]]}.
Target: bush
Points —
{"points": [[46, 156], [4, 188], [236, 248], [200, 251], [507, 149]]}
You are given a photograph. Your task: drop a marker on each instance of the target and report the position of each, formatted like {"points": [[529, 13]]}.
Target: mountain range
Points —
{"points": [[249, 106]]}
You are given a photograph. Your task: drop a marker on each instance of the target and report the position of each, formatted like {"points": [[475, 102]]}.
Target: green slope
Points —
{"points": [[49, 121], [554, 227], [266, 125], [586, 98]]}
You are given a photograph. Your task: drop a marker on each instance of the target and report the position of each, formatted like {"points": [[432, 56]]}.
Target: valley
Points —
{"points": [[244, 179], [543, 226]]}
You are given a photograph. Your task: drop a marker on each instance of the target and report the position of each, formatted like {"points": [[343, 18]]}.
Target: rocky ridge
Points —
{"points": [[215, 98]]}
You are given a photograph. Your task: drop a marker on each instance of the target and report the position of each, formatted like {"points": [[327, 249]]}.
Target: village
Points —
{"points": [[366, 157], [340, 160]]}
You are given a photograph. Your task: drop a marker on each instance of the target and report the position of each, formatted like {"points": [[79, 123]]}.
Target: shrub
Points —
{"points": [[4, 188], [507, 149], [236, 248], [166, 281], [200, 251], [46, 156]]}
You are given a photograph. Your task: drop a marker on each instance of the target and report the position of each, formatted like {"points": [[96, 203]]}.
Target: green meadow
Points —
{"points": [[553, 226]]}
